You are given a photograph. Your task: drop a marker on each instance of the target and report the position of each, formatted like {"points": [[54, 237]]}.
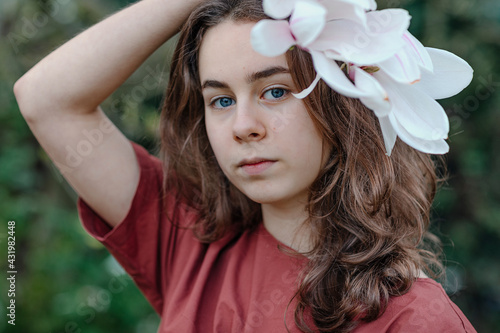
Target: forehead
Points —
{"points": [[226, 53]]}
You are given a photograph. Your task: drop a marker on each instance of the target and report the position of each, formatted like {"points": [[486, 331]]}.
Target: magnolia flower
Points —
{"points": [[410, 110], [388, 69], [331, 30], [307, 21]]}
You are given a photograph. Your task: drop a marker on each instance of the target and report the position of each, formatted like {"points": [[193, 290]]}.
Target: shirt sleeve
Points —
{"points": [[144, 242], [426, 308]]}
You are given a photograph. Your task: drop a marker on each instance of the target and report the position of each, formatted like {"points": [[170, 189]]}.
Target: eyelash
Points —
{"points": [[286, 92]]}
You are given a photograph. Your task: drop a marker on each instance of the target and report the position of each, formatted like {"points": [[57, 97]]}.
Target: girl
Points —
{"points": [[267, 213]]}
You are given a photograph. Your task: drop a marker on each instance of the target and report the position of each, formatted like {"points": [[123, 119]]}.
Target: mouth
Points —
{"points": [[254, 161], [256, 165]]}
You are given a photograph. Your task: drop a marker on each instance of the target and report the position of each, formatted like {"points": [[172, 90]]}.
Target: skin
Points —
{"points": [[250, 112], [59, 98]]}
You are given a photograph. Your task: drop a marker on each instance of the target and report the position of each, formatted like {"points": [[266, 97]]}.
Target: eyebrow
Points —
{"points": [[250, 78]]}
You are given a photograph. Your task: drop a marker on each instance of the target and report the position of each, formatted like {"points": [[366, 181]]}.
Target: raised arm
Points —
{"points": [[60, 98]]}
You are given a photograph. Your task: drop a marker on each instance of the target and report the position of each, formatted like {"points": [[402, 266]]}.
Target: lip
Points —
{"points": [[256, 165]]}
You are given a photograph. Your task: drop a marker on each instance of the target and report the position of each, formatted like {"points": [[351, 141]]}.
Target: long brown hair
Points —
{"points": [[369, 213]]}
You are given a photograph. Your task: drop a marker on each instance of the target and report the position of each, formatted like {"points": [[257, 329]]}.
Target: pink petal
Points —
{"points": [[451, 75], [334, 76], [420, 115], [271, 38], [278, 9], [376, 98], [307, 21]]}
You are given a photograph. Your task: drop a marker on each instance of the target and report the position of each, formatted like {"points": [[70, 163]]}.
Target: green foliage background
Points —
{"points": [[67, 282]]}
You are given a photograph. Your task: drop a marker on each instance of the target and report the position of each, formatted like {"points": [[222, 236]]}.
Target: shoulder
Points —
{"points": [[424, 308], [145, 159]]}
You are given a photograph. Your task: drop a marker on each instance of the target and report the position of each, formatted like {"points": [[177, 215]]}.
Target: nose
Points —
{"points": [[248, 124]]}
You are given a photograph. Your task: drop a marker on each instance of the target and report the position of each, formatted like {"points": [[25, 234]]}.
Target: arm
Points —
{"points": [[60, 98]]}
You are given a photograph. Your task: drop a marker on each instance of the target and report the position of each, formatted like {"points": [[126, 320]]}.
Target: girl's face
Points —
{"points": [[251, 116]]}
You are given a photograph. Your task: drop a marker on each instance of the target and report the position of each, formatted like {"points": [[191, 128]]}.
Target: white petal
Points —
{"points": [[307, 21], [271, 38], [388, 133], [278, 9], [417, 51], [334, 34], [438, 146], [335, 56], [451, 75], [365, 4], [376, 99], [304, 93], [401, 67], [338, 10], [334, 76], [391, 21], [418, 113], [352, 41]]}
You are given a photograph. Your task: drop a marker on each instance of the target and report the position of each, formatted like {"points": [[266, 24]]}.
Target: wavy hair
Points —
{"points": [[368, 213]]}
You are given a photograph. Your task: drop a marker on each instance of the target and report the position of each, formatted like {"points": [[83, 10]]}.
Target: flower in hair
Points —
{"points": [[381, 63]]}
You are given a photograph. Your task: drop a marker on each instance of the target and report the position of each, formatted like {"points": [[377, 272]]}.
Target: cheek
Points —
{"points": [[306, 143], [210, 131], [217, 140], [302, 132]]}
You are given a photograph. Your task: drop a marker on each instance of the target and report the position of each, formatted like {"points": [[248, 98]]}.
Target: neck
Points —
{"points": [[284, 222]]}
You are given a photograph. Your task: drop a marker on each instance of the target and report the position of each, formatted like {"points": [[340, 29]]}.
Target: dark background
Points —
{"points": [[67, 281]]}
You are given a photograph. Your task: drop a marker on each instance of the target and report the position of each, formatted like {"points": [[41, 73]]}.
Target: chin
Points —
{"points": [[262, 198], [269, 198], [271, 192]]}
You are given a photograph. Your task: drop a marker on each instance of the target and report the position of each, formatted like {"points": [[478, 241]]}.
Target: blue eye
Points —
{"points": [[223, 102], [275, 93]]}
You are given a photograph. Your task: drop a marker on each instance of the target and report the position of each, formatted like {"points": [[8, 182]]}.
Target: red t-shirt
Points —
{"points": [[237, 284]]}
